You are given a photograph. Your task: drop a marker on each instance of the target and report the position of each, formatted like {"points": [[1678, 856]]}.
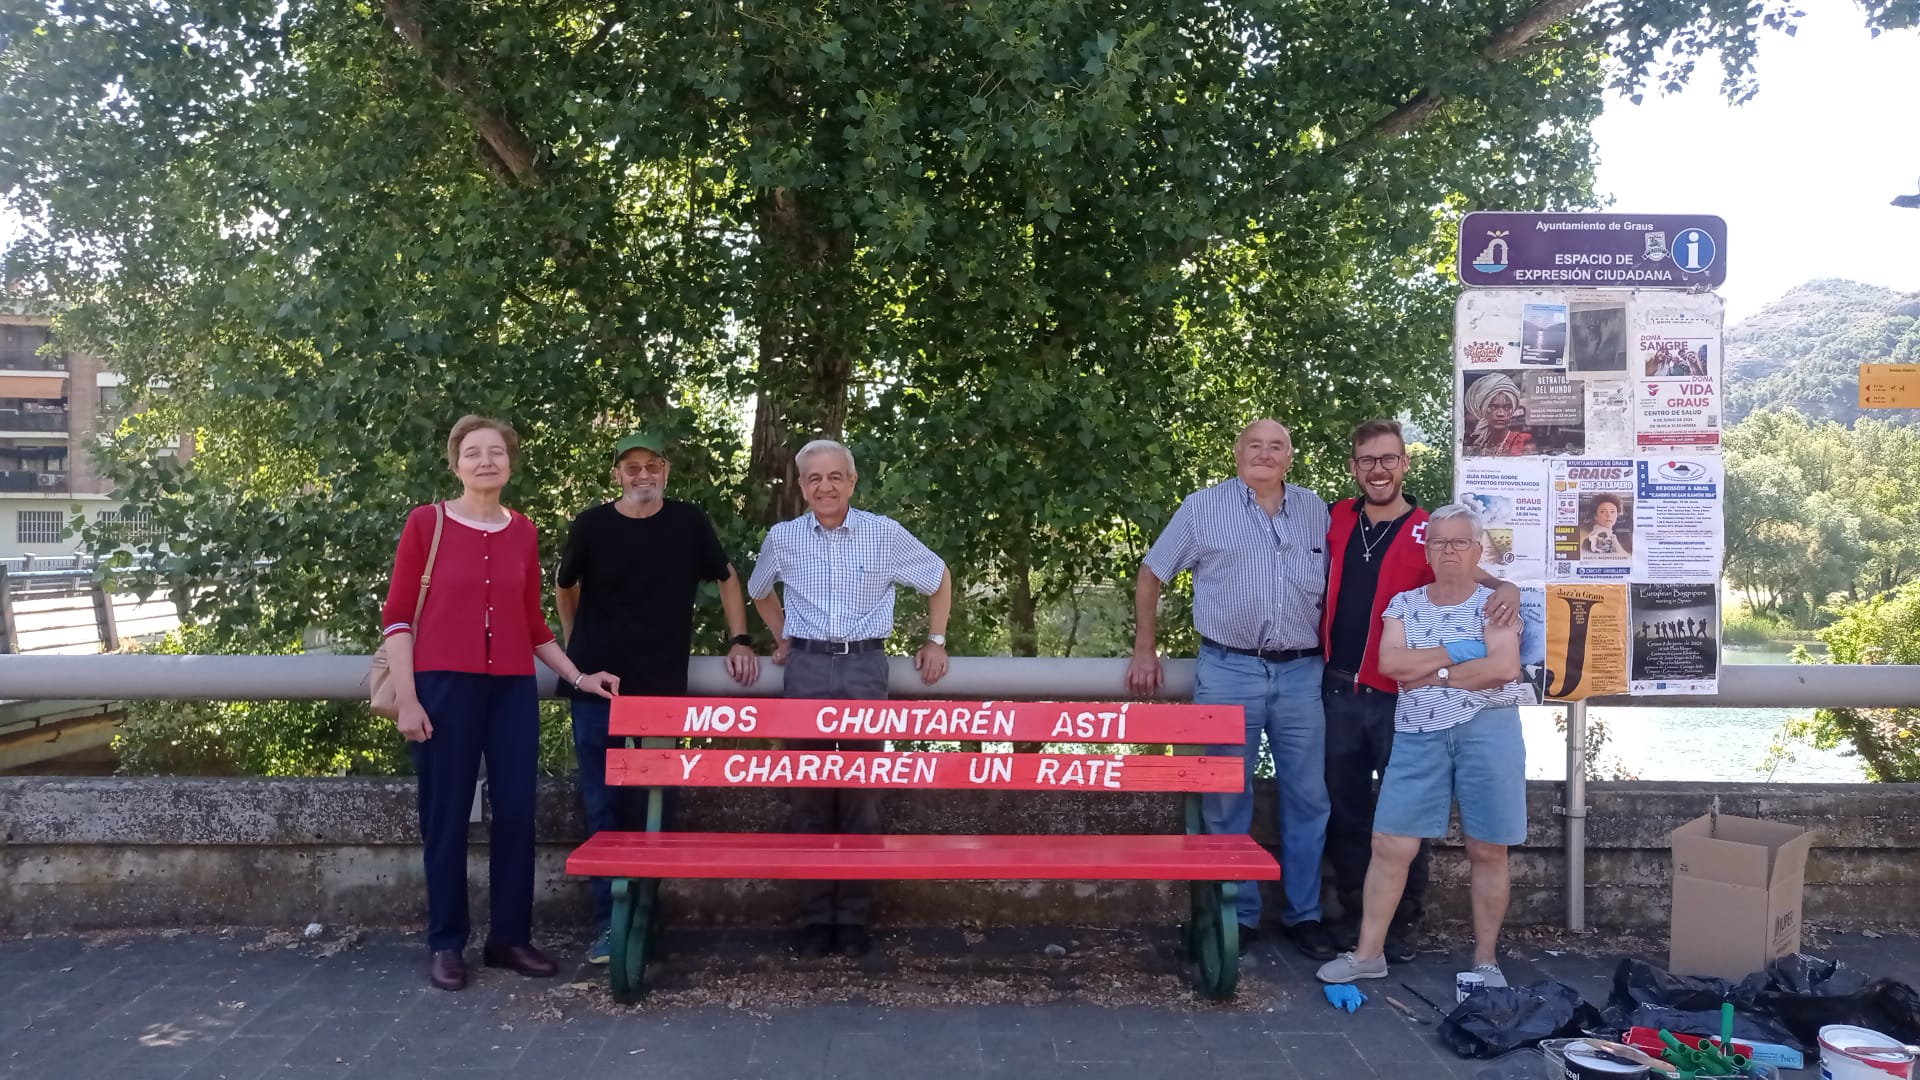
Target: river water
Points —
{"points": [[1665, 743]]}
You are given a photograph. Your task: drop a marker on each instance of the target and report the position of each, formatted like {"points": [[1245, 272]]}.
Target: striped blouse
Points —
{"points": [[1430, 625]]}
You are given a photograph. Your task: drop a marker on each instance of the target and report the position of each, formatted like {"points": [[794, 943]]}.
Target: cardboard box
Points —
{"points": [[1736, 894]]}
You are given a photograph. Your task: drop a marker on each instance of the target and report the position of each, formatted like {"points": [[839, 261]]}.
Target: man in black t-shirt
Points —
{"points": [[627, 581]]}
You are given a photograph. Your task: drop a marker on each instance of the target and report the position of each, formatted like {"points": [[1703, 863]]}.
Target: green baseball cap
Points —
{"points": [[640, 440]]}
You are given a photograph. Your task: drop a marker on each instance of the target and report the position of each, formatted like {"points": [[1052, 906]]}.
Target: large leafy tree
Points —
{"points": [[1818, 513], [1038, 260]]}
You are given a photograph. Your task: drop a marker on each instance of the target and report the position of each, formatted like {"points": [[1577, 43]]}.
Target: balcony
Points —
{"points": [[19, 481], [54, 420], [26, 361]]}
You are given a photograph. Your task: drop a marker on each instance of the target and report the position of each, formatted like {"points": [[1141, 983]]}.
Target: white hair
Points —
{"points": [[1460, 510], [819, 446]]}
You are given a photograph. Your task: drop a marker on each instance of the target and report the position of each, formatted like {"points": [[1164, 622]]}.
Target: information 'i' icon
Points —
{"points": [[1693, 250]]}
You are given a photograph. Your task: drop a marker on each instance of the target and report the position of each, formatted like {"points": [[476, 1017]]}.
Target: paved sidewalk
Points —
{"points": [[927, 1003]]}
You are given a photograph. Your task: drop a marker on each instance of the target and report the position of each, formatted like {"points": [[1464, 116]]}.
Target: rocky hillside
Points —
{"points": [[1805, 349]]}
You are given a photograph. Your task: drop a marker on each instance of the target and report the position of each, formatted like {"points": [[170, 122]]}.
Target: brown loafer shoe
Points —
{"points": [[524, 959], [448, 970]]}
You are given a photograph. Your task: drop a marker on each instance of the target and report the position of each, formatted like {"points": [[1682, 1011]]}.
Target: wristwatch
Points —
{"points": [[937, 639], [1443, 677], [741, 639]]}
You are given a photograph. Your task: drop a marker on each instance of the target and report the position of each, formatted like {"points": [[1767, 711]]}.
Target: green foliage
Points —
{"points": [[256, 738], [1881, 630], [1816, 511], [281, 738], [1743, 626], [1601, 764]]}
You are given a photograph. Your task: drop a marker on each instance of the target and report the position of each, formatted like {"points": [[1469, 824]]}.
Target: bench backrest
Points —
{"points": [[1134, 723]]}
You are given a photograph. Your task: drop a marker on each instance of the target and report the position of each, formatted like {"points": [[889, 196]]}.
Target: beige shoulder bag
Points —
{"points": [[381, 695]]}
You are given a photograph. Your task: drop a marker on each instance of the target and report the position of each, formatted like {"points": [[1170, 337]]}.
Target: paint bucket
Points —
{"points": [[1466, 982], [1555, 1053], [1583, 1063], [1837, 1064]]}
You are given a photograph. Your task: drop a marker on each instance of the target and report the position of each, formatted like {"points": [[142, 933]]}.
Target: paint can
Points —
{"points": [[1466, 982], [1585, 1063], [1837, 1064]]}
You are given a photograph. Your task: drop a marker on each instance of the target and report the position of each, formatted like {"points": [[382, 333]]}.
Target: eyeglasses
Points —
{"points": [[1384, 461], [1449, 545]]}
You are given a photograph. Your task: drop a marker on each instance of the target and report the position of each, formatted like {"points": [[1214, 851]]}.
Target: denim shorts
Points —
{"points": [[1482, 764]]}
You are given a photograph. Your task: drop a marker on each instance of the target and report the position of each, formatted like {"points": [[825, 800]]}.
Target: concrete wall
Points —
{"points": [[88, 853]]}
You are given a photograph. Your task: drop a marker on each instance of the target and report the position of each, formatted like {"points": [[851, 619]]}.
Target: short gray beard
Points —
{"points": [[642, 498]]}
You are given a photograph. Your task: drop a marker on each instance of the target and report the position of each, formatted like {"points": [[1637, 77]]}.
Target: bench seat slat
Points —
{"points": [[725, 767], [923, 858]]}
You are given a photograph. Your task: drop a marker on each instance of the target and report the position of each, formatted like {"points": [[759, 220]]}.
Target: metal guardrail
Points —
{"points": [[324, 677]]}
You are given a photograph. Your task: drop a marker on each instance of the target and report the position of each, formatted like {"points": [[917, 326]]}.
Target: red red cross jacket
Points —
{"points": [[1402, 567]]}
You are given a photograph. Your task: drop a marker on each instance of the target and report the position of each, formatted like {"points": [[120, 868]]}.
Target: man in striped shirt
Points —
{"points": [[1257, 548], [840, 566]]}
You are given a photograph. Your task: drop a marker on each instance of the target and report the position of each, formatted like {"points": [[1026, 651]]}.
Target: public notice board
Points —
{"points": [[1587, 433]]}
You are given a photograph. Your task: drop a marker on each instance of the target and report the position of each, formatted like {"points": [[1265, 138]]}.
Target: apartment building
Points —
{"points": [[53, 404]]}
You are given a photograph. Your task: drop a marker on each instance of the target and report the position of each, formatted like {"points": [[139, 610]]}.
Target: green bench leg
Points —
{"points": [[635, 921], [1213, 939]]}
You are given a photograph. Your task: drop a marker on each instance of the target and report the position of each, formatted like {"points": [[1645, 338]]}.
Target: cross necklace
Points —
{"points": [[1367, 543]]}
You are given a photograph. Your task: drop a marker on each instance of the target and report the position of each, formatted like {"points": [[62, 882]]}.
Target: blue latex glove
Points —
{"points": [[1462, 651], [1344, 997]]}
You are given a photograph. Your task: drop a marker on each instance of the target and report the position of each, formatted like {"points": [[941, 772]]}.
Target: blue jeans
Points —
{"points": [[606, 807], [1282, 702]]}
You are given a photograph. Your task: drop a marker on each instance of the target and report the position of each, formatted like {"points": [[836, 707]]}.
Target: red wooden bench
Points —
{"points": [[638, 860]]}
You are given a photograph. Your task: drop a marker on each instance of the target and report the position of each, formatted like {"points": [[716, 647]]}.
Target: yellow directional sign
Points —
{"points": [[1890, 386]]}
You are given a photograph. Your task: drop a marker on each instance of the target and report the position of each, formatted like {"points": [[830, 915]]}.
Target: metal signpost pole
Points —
{"points": [[1576, 815]]}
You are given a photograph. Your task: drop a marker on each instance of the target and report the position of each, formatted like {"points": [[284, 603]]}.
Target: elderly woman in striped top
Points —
{"points": [[1456, 738], [465, 688]]}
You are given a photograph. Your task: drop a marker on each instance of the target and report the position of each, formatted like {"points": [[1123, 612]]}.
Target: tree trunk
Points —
{"points": [[809, 313], [1023, 632]]}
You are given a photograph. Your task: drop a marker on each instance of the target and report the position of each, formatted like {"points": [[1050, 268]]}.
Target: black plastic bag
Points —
{"points": [[1806, 993], [1747, 1026], [1493, 1021], [1788, 1003], [1647, 995], [1637, 982]]}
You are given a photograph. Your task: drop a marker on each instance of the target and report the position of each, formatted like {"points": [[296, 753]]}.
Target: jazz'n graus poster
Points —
{"points": [[1586, 641]]}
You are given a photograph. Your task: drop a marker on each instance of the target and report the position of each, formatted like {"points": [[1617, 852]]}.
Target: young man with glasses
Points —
{"points": [[1377, 544]]}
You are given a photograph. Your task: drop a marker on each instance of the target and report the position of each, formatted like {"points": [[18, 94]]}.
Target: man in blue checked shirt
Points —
{"points": [[1257, 548], [840, 566]]}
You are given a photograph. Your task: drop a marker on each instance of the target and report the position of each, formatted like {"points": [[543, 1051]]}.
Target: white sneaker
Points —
{"points": [[1347, 968], [1491, 973]]}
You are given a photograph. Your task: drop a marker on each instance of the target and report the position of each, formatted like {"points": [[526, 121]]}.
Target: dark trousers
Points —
{"points": [[836, 810], [1359, 742], [606, 807], [496, 717]]}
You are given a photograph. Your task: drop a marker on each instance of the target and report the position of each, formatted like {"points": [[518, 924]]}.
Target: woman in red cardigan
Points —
{"points": [[466, 692]]}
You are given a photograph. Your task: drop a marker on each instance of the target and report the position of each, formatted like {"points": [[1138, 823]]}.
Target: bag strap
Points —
{"points": [[426, 576]]}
